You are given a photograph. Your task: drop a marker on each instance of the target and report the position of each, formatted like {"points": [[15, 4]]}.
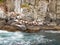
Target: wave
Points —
{"points": [[52, 31], [20, 38]]}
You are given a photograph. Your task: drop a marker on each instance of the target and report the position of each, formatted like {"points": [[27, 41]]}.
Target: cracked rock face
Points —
{"points": [[2, 13], [39, 12]]}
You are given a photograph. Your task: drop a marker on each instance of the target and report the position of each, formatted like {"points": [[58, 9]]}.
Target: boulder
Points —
{"points": [[21, 27]]}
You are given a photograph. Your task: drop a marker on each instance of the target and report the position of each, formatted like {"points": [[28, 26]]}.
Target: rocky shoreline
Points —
{"points": [[25, 26], [28, 18]]}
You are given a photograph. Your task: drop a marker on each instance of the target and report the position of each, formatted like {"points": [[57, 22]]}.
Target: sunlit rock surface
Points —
{"points": [[2, 13], [10, 5], [30, 12], [17, 6]]}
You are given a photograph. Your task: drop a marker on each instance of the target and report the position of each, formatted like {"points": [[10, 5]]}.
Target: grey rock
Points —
{"points": [[58, 21], [28, 18], [22, 27]]}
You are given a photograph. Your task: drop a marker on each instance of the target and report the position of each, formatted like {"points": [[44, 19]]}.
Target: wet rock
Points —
{"points": [[8, 28], [52, 24], [10, 22], [58, 21], [2, 22], [21, 27], [33, 28]]}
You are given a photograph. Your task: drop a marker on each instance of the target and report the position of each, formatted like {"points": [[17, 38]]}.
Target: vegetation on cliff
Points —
{"points": [[2, 1]]}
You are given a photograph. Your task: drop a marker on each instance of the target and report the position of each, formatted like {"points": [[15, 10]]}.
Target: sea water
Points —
{"points": [[22, 38]]}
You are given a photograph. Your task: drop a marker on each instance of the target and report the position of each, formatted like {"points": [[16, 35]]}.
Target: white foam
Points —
{"points": [[3, 31], [19, 35], [23, 38], [16, 20], [52, 31]]}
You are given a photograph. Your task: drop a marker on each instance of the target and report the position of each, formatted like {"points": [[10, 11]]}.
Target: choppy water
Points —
{"points": [[21, 38]]}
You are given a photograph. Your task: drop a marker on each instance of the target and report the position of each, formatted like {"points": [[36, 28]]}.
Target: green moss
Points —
{"points": [[25, 5], [2, 1]]}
